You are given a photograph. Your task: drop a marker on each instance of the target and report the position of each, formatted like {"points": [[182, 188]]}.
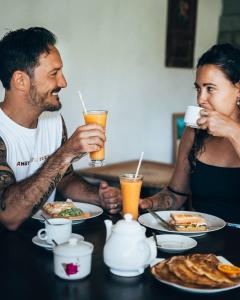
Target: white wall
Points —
{"points": [[114, 51]]}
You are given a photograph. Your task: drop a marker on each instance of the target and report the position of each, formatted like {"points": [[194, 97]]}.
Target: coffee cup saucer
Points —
{"points": [[42, 243]]}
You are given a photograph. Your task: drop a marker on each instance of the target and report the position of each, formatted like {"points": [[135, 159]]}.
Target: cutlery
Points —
{"points": [[156, 216], [46, 219]]}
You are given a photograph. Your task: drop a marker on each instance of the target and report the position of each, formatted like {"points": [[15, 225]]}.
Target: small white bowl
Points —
{"points": [[175, 243]]}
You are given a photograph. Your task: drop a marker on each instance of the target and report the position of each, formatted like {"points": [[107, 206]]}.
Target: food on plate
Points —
{"points": [[188, 222], [194, 271], [64, 209]]}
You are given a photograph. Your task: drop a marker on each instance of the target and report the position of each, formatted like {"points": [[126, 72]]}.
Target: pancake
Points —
{"points": [[178, 266], [162, 270], [207, 265]]}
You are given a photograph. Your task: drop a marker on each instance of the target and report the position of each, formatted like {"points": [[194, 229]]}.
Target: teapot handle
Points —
{"points": [[153, 249]]}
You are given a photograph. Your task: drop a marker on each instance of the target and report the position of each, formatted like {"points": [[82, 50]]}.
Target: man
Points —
{"points": [[35, 154]]}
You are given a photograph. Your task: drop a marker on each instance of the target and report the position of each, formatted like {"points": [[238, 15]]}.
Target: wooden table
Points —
{"points": [[156, 174]]}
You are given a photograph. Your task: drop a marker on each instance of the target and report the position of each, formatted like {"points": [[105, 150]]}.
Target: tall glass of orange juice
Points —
{"points": [[130, 189], [96, 117]]}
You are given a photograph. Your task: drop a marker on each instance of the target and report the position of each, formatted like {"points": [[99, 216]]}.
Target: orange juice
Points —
{"points": [[96, 117], [130, 189]]}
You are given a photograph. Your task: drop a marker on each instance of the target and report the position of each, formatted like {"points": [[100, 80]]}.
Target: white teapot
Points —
{"points": [[127, 250]]}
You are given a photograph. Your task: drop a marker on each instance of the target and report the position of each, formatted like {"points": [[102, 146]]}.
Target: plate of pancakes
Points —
{"points": [[196, 273]]}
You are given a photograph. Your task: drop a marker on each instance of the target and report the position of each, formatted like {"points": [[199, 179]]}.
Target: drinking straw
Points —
{"points": [[139, 165], [83, 104]]}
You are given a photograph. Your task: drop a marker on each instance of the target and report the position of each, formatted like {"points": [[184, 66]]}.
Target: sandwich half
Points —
{"points": [[188, 222], [64, 209]]}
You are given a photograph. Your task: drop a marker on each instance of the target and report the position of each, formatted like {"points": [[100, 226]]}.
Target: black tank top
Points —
{"points": [[216, 191]]}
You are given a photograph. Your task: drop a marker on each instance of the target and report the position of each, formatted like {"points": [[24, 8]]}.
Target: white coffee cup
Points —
{"points": [[58, 229], [191, 116]]}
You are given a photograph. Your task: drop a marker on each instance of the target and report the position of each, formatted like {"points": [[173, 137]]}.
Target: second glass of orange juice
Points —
{"points": [[130, 189], [96, 117]]}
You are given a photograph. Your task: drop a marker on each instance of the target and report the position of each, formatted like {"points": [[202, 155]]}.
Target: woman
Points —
{"points": [[208, 166]]}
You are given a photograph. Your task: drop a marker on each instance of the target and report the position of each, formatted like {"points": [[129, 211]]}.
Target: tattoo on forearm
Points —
{"points": [[69, 171], [38, 186], [6, 179], [2, 151], [64, 138], [166, 200], [45, 195]]}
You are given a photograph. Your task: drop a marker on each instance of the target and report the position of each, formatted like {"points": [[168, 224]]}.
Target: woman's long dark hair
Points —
{"points": [[227, 58]]}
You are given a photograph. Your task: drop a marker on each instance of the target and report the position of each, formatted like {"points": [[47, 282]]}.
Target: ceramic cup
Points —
{"points": [[191, 116], [58, 230]]}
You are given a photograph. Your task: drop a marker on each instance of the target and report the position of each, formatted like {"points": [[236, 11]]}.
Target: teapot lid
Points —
{"points": [[128, 226], [73, 247]]}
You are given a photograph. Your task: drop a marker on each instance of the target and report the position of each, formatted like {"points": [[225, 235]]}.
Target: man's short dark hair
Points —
{"points": [[20, 50]]}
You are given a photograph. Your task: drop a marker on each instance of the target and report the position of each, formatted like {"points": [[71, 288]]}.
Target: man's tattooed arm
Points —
{"points": [[6, 175], [21, 199], [64, 139], [81, 187], [46, 195], [6, 179], [78, 189]]}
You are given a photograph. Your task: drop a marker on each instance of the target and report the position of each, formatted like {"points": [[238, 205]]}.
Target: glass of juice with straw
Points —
{"points": [[130, 189], [96, 117]]}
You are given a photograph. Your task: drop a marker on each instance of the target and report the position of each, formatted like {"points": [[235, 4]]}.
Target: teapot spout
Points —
{"points": [[108, 224]]}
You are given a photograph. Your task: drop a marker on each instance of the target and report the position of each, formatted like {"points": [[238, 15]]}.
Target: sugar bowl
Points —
{"points": [[73, 259]]}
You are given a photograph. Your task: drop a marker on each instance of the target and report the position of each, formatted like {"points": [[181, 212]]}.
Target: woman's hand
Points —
{"points": [[146, 203], [216, 123]]}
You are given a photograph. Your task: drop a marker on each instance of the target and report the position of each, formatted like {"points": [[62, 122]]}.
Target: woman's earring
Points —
{"points": [[238, 102]]}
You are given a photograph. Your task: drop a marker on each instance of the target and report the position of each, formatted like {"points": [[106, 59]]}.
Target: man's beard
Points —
{"points": [[40, 101], [49, 107]]}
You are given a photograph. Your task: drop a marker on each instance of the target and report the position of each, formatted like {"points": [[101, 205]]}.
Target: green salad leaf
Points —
{"points": [[71, 212]]}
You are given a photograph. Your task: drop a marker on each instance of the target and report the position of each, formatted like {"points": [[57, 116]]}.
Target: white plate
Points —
{"points": [[175, 243], [42, 243], [199, 291], [213, 223], [94, 210]]}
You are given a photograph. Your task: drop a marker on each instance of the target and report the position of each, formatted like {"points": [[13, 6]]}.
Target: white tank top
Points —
{"points": [[27, 149]]}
